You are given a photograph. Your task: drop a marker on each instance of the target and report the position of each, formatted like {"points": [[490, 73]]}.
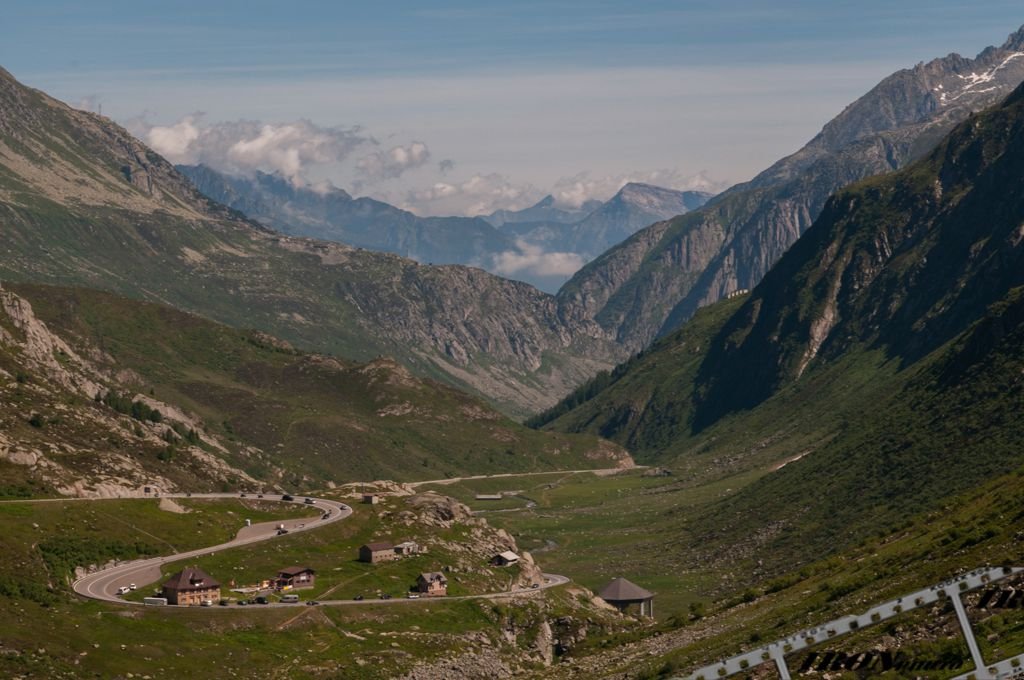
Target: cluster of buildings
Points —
{"points": [[429, 584], [192, 586]]}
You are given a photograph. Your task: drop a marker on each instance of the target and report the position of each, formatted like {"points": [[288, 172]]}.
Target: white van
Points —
{"points": [[290, 599]]}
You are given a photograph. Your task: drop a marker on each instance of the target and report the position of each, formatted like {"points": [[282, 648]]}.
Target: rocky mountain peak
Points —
{"points": [[660, 202], [1015, 41]]}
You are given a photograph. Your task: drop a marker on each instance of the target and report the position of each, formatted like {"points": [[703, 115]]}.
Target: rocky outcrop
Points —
{"points": [[52, 427], [45, 351], [433, 509]]}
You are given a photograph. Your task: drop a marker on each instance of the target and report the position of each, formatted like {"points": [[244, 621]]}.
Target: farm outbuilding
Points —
{"points": [[377, 552]]}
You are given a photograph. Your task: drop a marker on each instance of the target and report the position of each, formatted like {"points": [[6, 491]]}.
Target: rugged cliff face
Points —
{"points": [[656, 280], [904, 262], [83, 203]]}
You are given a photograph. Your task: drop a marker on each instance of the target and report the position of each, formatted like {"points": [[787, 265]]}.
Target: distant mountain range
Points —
{"points": [[652, 282], [83, 203], [634, 207], [544, 210], [334, 215]]}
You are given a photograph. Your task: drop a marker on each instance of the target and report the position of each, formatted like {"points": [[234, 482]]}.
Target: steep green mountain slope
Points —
{"points": [[880, 361], [83, 203], [237, 408], [654, 281]]}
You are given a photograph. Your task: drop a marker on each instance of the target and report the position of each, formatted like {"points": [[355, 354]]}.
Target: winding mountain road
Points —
{"points": [[103, 585]]}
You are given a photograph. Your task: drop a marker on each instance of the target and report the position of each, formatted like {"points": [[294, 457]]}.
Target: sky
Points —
{"points": [[459, 107]]}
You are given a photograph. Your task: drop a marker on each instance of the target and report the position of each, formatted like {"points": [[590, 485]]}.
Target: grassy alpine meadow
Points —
{"points": [[594, 528], [87, 639], [982, 527], [332, 551], [42, 542]]}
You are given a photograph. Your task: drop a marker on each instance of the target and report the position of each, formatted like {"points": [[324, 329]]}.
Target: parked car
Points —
{"points": [[282, 532], [242, 603], [384, 596], [358, 598], [413, 596], [206, 603], [223, 603], [312, 603], [131, 586], [290, 598], [122, 590], [261, 600]]}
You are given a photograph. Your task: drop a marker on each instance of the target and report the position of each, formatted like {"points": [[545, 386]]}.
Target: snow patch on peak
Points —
{"points": [[974, 80]]}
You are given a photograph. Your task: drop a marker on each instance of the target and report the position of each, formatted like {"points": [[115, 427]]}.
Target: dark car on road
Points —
{"points": [[261, 600]]}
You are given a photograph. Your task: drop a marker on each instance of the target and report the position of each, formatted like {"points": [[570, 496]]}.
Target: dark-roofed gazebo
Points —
{"points": [[621, 593]]}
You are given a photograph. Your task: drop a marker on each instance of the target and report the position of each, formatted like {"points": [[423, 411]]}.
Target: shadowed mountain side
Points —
{"points": [[658, 278]]}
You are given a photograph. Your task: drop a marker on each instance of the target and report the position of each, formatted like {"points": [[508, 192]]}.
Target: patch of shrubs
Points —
{"points": [[139, 410]]}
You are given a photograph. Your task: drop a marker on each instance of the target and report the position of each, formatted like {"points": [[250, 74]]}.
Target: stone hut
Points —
{"points": [[621, 593]]}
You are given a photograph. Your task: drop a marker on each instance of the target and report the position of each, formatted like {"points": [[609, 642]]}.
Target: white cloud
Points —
{"points": [[244, 146], [174, 142], [576, 190], [393, 162], [478, 195], [533, 260]]}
